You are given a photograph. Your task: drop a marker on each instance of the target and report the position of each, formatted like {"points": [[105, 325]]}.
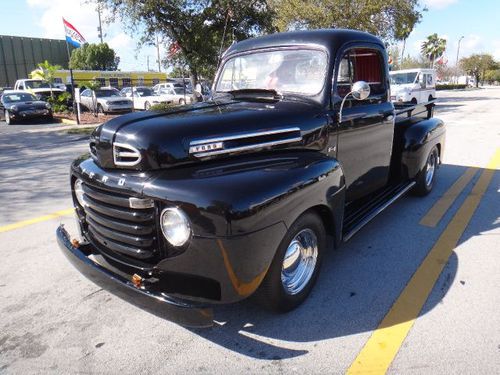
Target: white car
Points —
{"points": [[105, 100], [177, 95], [413, 85], [143, 97]]}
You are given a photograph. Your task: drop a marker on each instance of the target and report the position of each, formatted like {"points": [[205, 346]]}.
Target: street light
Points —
{"points": [[456, 63]]}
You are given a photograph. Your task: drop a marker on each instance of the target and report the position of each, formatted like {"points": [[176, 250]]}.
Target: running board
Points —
{"points": [[357, 220]]}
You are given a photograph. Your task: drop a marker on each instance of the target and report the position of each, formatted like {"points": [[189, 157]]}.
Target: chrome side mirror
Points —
{"points": [[360, 91]]}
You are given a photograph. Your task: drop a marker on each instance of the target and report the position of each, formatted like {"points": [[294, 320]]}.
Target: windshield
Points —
{"points": [[37, 84], [106, 93], [180, 91], [21, 97], [294, 71], [143, 91], [403, 78]]}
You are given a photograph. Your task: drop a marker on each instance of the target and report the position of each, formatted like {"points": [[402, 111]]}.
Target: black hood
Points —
{"points": [[155, 140], [26, 106]]}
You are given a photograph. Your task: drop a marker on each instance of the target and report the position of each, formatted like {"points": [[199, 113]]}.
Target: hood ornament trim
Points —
{"points": [[217, 146]]}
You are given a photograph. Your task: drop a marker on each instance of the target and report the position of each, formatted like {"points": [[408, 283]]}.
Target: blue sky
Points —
{"points": [[476, 20]]}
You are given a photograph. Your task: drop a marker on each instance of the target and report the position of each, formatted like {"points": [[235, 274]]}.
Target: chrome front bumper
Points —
{"points": [[157, 303]]}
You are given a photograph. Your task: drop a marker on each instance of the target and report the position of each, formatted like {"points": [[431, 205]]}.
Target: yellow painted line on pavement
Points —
{"points": [[436, 213], [385, 342], [35, 220]]}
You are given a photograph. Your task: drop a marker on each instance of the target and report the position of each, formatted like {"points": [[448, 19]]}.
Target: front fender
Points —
{"points": [[244, 195], [419, 138]]}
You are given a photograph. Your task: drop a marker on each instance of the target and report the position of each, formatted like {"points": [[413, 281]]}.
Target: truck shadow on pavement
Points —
{"points": [[357, 285]]}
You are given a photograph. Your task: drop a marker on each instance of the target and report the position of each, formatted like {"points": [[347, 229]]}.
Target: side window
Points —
{"points": [[361, 64]]}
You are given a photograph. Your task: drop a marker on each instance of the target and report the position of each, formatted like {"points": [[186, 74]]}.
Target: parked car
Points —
{"points": [[143, 97], [413, 85], [208, 204], [20, 105], [106, 100], [176, 95], [42, 89], [167, 85]]}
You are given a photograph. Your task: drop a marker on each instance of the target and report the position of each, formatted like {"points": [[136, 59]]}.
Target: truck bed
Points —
{"points": [[404, 111]]}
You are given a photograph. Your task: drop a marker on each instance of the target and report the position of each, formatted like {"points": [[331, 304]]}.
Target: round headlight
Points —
{"points": [[48, 106], [14, 108], [79, 193], [175, 226]]}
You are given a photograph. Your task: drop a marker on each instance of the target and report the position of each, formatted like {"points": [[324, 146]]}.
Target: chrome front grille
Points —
{"points": [[116, 227]]}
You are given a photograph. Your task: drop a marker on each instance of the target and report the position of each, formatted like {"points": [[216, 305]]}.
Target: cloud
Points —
{"points": [[438, 4], [82, 14]]}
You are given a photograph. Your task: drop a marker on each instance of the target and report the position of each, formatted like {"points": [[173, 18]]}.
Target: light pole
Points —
{"points": [[456, 63], [99, 28]]}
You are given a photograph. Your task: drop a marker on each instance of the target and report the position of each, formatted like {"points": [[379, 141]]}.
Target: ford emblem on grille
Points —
{"points": [[125, 155]]}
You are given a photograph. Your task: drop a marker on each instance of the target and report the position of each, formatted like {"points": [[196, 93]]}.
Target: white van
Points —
{"points": [[413, 85]]}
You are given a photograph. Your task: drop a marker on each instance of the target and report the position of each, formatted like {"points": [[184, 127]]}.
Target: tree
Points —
{"points": [[476, 65], [46, 72], [200, 28], [433, 47], [492, 76], [94, 57], [389, 19]]}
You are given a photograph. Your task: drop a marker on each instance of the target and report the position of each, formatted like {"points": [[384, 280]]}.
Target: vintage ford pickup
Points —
{"points": [[300, 147]]}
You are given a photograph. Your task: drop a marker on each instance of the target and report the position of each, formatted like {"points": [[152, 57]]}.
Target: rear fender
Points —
{"points": [[419, 139]]}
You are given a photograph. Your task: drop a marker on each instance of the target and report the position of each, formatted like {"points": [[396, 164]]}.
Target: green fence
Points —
{"points": [[19, 56]]}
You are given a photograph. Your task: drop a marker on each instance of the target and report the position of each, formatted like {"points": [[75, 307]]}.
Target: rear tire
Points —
{"points": [[147, 106], [100, 110], [182, 102], [414, 101], [425, 178], [295, 267]]}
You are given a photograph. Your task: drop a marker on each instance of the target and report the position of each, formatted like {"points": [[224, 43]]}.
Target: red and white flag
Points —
{"points": [[72, 35]]}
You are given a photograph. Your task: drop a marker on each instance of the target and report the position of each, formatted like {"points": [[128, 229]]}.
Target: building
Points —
{"points": [[19, 56]]}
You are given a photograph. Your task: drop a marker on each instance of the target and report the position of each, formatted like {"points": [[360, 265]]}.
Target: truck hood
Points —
{"points": [[204, 131]]}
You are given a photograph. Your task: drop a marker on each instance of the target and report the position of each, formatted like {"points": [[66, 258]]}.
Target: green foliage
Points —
{"points": [[198, 26], [60, 102], [433, 47], [477, 65], [389, 19], [451, 87], [492, 75], [46, 72], [410, 62], [94, 57], [162, 107]]}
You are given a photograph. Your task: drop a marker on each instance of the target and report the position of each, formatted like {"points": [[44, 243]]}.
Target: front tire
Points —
{"points": [[295, 267], [182, 102], [425, 178], [8, 119], [100, 110], [147, 106]]}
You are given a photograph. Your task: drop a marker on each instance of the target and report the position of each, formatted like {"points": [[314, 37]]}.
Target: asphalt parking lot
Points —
{"points": [[363, 316]]}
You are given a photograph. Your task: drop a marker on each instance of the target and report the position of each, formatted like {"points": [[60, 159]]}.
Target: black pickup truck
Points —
{"points": [[199, 205]]}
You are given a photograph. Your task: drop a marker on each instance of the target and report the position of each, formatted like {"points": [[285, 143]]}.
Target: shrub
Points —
{"points": [[162, 107], [60, 102], [451, 86]]}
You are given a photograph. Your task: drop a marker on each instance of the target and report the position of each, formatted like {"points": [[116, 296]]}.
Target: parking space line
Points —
{"points": [[435, 214], [383, 345], [35, 220]]}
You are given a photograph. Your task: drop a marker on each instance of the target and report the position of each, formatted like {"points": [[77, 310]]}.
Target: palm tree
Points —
{"points": [[46, 72], [433, 47]]}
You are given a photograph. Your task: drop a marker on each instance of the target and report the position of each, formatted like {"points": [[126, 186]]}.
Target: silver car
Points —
{"points": [[105, 100]]}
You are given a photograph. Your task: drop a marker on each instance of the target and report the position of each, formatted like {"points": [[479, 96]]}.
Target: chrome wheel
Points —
{"points": [[7, 117], [299, 262], [430, 168]]}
